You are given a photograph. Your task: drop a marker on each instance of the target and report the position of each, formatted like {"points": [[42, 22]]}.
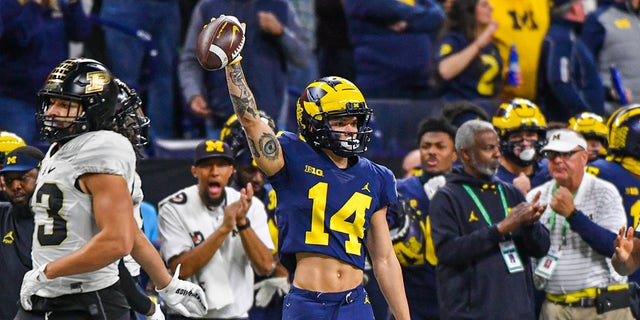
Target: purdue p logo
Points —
{"points": [[97, 81]]}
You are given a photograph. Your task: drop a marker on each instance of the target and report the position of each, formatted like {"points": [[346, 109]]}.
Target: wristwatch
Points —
{"points": [[244, 226]]}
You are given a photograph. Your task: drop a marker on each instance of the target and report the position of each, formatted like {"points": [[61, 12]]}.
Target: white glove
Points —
{"points": [[157, 315], [268, 287], [185, 297], [32, 281], [431, 186]]}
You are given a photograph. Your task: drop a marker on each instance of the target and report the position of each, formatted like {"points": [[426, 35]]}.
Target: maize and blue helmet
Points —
{"points": [[9, 141], [407, 235], [330, 98], [519, 115], [233, 134], [591, 126], [624, 131]]}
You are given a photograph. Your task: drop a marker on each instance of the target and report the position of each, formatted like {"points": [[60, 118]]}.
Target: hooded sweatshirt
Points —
{"points": [[472, 277]]}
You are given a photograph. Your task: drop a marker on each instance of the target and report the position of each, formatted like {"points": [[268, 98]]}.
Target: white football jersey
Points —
{"points": [[184, 222], [63, 214]]}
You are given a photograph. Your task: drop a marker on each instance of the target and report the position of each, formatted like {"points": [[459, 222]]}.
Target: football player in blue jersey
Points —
{"points": [[622, 166], [271, 288], [522, 131], [415, 249], [594, 130], [83, 207], [332, 202]]}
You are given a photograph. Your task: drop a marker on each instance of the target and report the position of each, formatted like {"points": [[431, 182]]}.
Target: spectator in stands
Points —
{"points": [[333, 47], [218, 234], [484, 235], [613, 35], [594, 130], [300, 76], [35, 39], [268, 50], [468, 62], [16, 224], [568, 78], [621, 167], [129, 56], [522, 130], [583, 215], [415, 250], [393, 43], [522, 23]]}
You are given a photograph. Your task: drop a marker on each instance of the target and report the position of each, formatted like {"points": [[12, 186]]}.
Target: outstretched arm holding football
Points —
{"points": [[219, 45], [264, 145]]}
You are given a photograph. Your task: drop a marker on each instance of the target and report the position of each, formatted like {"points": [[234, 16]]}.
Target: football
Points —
{"points": [[219, 42]]}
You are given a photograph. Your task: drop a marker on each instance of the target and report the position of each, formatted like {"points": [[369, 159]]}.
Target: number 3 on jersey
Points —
{"points": [[356, 205], [49, 196]]}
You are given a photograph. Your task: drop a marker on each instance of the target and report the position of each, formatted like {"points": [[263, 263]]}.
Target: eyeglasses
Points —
{"points": [[551, 155]]}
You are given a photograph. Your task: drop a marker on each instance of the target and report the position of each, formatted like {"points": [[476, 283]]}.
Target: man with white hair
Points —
{"points": [[484, 234]]}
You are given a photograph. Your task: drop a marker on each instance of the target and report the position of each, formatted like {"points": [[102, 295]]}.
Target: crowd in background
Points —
{"points": [[423, 50]]}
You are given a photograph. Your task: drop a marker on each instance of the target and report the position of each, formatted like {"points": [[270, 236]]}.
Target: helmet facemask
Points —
{"points": [[526, 157], [130, 120], [345, 144], [60, 128]]}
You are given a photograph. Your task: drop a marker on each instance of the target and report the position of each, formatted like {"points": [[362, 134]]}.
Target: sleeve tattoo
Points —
{"points": [[244, 103]]}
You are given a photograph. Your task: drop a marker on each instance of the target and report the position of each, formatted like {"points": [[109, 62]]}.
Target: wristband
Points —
{"points": [[244, 226]]}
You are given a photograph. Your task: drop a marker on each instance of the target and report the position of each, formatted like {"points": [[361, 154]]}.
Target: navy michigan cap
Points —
{"points": [[22, 159], [212, 149]]}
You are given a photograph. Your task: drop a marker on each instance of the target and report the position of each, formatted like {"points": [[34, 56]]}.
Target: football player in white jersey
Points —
{"points": [[83, 207]]}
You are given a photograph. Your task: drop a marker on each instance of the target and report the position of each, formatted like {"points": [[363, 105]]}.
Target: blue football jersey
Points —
{"points": [[628, 187], [627, 184], [420, 277], [324, 209], [540, 174]]}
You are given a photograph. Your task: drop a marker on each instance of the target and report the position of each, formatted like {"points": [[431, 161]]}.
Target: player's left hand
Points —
{"points": [[32, 281], [185, 297], [267, 288]]}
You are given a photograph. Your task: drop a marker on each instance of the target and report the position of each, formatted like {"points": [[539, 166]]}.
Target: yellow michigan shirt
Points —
{"points": [[523, 23]]}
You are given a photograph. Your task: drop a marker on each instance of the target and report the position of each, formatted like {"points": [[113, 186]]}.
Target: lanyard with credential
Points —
{"points": [[552, 220], [481, 207]]}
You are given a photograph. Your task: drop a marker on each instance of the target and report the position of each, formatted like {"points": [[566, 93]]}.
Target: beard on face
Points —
{"points": [[488, 169], [211, 202]]}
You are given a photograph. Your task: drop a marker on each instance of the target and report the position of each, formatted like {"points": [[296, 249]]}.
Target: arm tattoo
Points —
{"points": [[244, 102], [269, 146], [253, 149]]}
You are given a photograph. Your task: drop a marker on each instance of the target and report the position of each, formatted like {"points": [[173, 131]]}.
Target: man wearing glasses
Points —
{"points": [[583, 215]]}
